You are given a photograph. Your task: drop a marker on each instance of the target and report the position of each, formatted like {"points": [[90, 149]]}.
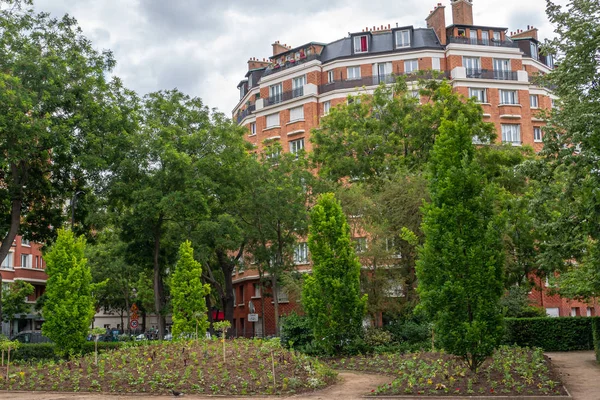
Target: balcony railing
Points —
{"points": [[249, 110], [374, 80], [486, 42], [285, 96], [289, 64], [500, 75]]}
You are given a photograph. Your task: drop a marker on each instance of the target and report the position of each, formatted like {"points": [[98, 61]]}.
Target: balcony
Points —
{"points": [[285, 96], [499, 75], [374, 80], [479, 42], [290, 64], [249, 110]]}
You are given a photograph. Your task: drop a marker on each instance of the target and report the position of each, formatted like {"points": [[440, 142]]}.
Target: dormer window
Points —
{"points": [[402, 39], [250, 81], [534, 50], [361, 44]]}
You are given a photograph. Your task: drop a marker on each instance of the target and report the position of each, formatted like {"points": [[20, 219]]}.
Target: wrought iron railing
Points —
{"points": [[374, 80], [480, 42], [249, 110], [289, 64], [500, 75], [285, 96]]}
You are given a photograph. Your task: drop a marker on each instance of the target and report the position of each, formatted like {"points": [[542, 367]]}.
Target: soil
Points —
{"points": [[350, 386], [579, 372]]}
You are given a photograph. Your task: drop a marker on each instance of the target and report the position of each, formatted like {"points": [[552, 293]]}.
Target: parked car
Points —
{"points": [[31, 337]]}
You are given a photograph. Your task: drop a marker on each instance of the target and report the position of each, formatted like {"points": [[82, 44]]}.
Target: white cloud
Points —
{"points": [[202, 46]]}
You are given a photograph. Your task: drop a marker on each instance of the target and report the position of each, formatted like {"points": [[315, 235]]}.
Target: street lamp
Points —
{"points": [[73, 205]]}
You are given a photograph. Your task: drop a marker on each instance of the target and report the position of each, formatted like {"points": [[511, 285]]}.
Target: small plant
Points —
{"points": [[223, 326], [97, 333]]}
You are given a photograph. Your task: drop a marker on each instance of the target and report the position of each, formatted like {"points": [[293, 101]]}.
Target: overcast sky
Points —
{"points": [[202, 46]]}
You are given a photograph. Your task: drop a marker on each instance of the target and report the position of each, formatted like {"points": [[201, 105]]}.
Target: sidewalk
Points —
{"points": [[579, 372]]}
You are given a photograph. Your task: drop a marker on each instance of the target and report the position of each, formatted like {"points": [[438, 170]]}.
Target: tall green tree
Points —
{"points": [[460, 266], [14, 301], [69, 306], [188, 295], [566, 204], [331, 295], [54, 98]]}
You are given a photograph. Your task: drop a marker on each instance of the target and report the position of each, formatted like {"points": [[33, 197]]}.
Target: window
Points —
{"points": [[553, 102], [511, 133], [361, 44], [326, 107], [25, 261], [415, 94], [360, 245], [479, 94], [501, 68], [390, 247], [383, 73], [253, 129], [411, 66], [435, 64], [477, 140], [402, 39], [298, 86], [8, 261], [537, 134], [241, 295], [301, 253], [550, 61], [275, 92], [234, 298], [533, 47], [296, 146], [353, 73], [589, 312], [330, 76], [282, 295], [297, 113], [256, 289], [473, 36], [272, 120], [273, 152], [258, 328], [533, 101], [249, 81], [485, 38], [25, 242], [508, 97], [472, 65], [552, 312], [575, 311], [497, 37]]}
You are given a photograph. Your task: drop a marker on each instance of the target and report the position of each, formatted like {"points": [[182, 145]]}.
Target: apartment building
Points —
{"points": [[24, 262], [283, 97]]}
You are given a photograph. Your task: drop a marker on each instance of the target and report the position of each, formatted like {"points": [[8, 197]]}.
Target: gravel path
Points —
{"points": [[579, 372], [350, 386]]}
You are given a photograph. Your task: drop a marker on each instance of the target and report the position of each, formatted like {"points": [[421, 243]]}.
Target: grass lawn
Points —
{"points": [[250, 367], [511, 371]]}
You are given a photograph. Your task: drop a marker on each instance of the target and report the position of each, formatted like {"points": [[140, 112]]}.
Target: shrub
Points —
{"points": [[377, 337], [596, 336], [551, 334], [47, 351], [296, 331]]}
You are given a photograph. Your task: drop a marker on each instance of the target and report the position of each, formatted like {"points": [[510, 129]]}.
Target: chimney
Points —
{"points": [[255, 63], [437, 21], [462, 12], [278, 48], [531, 32]]}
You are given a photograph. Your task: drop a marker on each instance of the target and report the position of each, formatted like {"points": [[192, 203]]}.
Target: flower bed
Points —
{"points": [[511, 371], [250, 367]]}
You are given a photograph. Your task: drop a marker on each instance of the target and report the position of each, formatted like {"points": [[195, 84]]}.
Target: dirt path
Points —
{"points": [[351, 385], [580, 373]]}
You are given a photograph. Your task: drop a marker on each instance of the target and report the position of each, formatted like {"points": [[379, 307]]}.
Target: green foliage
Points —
{"points": [[69, 306], [188, 295], [296, 331], [331, 295], [596, 336], [517, 304], [30, 352], [460, 269], [377, 337], [550, 334], [13, 300]]}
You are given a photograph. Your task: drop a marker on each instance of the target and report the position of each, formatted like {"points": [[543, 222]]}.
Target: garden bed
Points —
{"points": [[189, 367], [511, 371]]}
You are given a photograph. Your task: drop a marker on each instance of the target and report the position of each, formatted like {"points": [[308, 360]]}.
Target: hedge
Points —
{"points": [[45, 351], [596, 334], [551, 334]]}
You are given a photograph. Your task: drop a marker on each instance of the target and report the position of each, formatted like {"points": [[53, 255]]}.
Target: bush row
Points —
{"points": [[45, 351], [551, 334]]}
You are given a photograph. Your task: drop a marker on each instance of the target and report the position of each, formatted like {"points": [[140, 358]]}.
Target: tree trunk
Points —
{"points": [[128, 314], [122, 323], [7, 241], [227, 266], [262, 301], [211, 320], [158, 286], [275, 288]]}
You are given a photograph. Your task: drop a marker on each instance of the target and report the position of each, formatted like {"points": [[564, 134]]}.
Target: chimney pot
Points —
{"points": [[389, 26]]}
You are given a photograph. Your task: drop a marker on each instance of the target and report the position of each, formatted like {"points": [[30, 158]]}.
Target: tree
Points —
{"points": [[14, 301], [53, 105], [460, 265], [188, 295], [567, 200], [331, 295], [69, 306]]}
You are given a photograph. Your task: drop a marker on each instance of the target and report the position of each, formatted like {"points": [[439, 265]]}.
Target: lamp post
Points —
{"points": [[73, 205]]}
